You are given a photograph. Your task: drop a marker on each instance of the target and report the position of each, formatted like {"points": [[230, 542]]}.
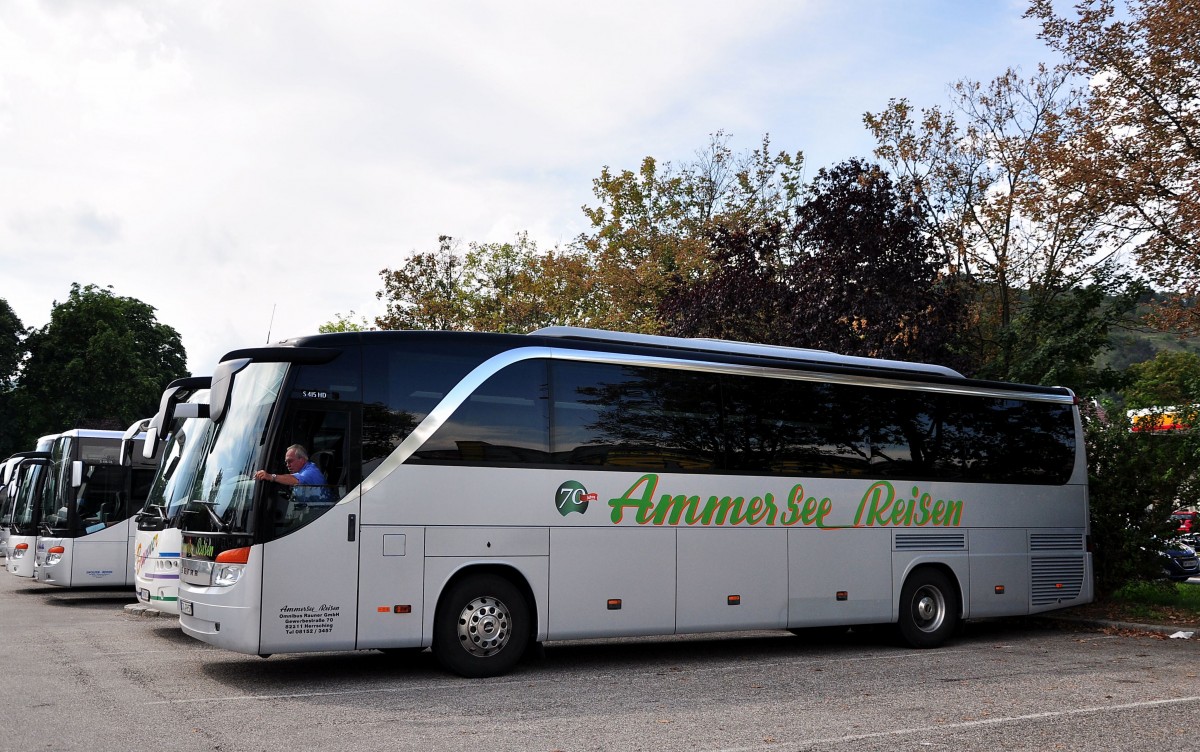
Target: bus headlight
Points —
{"points": [[54, 555], [225, 575]]}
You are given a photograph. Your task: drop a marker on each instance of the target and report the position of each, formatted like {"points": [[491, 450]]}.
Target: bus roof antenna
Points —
{"points": [[271, 323]]}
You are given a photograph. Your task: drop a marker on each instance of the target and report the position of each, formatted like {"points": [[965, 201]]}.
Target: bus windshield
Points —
{"points": [[225, 484], [174, 482], [29, 483]]}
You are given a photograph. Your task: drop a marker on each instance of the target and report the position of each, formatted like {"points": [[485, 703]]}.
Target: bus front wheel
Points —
{"points": [[482, 627], [928, 609]]}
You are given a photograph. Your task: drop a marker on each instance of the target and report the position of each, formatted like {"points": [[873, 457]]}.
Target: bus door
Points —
{"points": [[310, 558], [100, 555]]}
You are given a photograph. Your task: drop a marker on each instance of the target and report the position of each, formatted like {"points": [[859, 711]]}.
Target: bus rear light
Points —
{"points": [[234, 556]]}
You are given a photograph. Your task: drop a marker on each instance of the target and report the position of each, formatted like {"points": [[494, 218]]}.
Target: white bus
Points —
{"points": [[8, 495], [29, 479], [90, 497], [182, 422], [493, 491]]}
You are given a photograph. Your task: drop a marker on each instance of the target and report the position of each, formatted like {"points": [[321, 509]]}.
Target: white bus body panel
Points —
{"points": [[227, 617], [310, 585], [391, 574], [156, 568], [100, 559], [21, 564], [591, 565], [853, 561]]}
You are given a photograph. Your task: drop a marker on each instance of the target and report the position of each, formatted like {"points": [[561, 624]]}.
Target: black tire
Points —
{"points": [[482, 627], [928, 609]]}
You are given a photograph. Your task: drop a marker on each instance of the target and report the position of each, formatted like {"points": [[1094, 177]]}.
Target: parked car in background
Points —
{"points": [[1180, 562], [1188, 522]]}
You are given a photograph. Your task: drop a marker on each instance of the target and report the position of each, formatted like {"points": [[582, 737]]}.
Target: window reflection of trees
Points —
{"points": [[637, 418], [649, 418], [796, 427]]}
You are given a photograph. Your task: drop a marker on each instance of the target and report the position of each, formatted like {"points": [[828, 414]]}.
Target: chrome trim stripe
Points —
{"points": [[485, 370]]}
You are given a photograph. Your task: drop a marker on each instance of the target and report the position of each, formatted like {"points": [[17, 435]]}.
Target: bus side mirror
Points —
{"points": [[76, 473]]}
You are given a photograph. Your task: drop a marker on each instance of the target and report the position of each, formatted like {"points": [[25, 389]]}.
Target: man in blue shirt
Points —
{"points": [[302, 472]]}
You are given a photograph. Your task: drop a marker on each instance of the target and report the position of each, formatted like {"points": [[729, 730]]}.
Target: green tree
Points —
{"points": [[1135, 481], [651, 228], [1172, 378], [428, 292], [1137, 143], [101, 362], [346, 323], [1007, 215], [12, 352], [500, 287]]}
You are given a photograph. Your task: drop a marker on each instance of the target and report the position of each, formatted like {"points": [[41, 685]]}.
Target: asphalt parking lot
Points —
{"points": [[82, 672]]}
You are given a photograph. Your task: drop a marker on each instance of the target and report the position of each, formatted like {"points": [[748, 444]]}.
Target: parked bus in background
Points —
{"points": [[29, 479], [490, 491], [8, 495], [88, 503], [182, 422]]}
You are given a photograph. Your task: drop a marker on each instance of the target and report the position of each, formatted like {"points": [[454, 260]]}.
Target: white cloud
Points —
{"points": [[222, 159]]}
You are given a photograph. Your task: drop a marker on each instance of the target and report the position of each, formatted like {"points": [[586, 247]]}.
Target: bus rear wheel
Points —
{"points": [[482, 627], [928, 609]]}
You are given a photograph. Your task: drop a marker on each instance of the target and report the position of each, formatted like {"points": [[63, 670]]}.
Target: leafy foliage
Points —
{"points": [[101, 362], [866, 278], [503, 287], [1172, 378], [11, 349], [1137, 143], [1135, 480], [1029, 235]]}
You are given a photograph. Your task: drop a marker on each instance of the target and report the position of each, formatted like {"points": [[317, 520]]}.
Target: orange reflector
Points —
{"points": [[21, 547], [57, 550], [999, 590], [614, 604], [402, 609], [234, 556], [842, 595], [1058, 585], [383, 609], [734, 600]]}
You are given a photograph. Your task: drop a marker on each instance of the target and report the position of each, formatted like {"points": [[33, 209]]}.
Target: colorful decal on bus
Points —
{"points": [[880, 506], [573, 497]]}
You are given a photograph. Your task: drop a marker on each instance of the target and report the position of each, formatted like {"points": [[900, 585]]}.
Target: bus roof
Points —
{"points": [[724, 346]]}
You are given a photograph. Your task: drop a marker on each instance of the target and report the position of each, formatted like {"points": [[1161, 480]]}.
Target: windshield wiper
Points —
{"points": [[222, 525]]}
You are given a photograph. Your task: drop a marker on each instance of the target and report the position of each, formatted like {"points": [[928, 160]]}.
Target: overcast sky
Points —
{"points": [[228, 162]]}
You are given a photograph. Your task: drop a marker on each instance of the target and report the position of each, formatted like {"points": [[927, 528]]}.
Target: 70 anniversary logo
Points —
{"points": [[880, 506]]}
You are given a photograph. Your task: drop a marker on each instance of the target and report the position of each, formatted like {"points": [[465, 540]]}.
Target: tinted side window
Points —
{"points": [[972, 438], [503, 422], [636, 418], [789, 427], [402, 385]]}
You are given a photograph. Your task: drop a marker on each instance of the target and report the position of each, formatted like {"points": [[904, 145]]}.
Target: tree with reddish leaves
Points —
{"points": [[866, 280], [743, 298]]}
